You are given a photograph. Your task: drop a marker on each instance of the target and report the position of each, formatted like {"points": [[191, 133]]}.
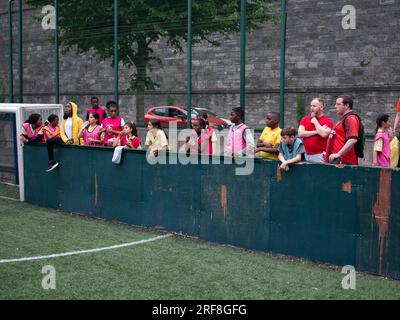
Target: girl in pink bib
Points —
{"points": [[91, 131], [381, 156]]}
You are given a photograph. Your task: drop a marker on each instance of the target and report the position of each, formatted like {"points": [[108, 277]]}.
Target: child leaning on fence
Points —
{"points": [[199, 140], [291, 148], [32, 130], [127, 139], [91, 131], [156, 138]]}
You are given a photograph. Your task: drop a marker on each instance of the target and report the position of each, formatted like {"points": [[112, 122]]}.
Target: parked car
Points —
{"points": [[167, 114]]}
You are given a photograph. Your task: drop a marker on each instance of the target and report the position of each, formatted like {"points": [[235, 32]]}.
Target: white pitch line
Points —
{"points": [[73, 253], [7, 198]]}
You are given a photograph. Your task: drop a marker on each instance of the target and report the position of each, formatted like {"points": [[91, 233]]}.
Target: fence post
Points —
{"points": [[10, 51], [116, 54], [56, 55], [20, 57], [189, 65], [243, 16], [282, 63]]}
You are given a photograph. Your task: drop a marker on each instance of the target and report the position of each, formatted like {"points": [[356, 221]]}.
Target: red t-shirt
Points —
{"points": [[135, 141], [315, 144], [398, 106], [339, 139]]}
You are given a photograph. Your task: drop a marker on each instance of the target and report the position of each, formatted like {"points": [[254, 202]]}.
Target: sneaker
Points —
{"points": [[52, 165]]}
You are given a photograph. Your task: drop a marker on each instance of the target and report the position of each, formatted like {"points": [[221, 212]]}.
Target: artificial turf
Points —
{"points": [[171, 268]]}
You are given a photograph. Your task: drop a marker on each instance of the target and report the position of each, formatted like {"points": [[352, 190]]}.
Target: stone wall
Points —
{"points": [[322, 59]]}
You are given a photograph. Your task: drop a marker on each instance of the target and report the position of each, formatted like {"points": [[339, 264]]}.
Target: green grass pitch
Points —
{"points": [[170, 268]]}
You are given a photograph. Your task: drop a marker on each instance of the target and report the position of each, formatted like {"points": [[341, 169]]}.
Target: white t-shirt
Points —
{"points": [[68, 128]]}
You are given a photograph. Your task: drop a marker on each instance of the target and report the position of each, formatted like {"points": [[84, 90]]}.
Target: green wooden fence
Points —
{"points": [[342, 216]]}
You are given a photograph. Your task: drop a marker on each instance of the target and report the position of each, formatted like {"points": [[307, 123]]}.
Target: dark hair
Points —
{"points": [[52, 117], [157, 124], [110, 104], [239, 112], [96, 116], [347, 99], [276, 114], [94, 98], [33, 118], [381, 118], [202, 123], [133, 128], [203, 115], [289, 131]]}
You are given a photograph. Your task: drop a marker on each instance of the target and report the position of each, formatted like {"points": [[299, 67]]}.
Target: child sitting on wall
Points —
{"points": [[32, 130], [52, 136], [291, 148]]}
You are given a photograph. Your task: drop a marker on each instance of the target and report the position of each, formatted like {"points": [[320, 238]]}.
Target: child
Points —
{"points": [[270, 138], [113, 125], [156, 139], [52, 137], [291, 148], [101, 111], [71, 125], [241, 140], [91, 131], [32, 130], [127, 139], [381, 155], [199, 139], [211, 133]]}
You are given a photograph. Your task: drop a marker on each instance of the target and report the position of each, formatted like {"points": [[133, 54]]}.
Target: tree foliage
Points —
{"points": [[86, 26]]}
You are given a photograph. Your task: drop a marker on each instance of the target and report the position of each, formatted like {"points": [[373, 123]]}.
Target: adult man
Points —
{"points": [[94, 101], [345, 134], [314, 130]]}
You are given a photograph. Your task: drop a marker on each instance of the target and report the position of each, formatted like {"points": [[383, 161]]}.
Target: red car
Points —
{"points": [[167, 114]]}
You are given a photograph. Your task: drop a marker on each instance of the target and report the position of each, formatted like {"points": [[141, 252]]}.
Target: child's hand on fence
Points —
{"points": [[284, 166]]}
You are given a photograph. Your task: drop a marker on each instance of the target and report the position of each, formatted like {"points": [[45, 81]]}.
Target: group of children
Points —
{"points": [[103, 127], [98, 130]]}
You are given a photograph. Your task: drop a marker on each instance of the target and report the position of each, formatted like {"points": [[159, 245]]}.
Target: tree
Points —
{"points": [[87, 26]]}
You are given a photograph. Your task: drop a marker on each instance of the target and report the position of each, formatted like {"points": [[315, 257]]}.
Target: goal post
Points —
{"points": [[22, 111]]}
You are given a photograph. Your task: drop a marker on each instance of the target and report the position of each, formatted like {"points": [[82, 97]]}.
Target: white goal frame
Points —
{"points": [[22, 112]]}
